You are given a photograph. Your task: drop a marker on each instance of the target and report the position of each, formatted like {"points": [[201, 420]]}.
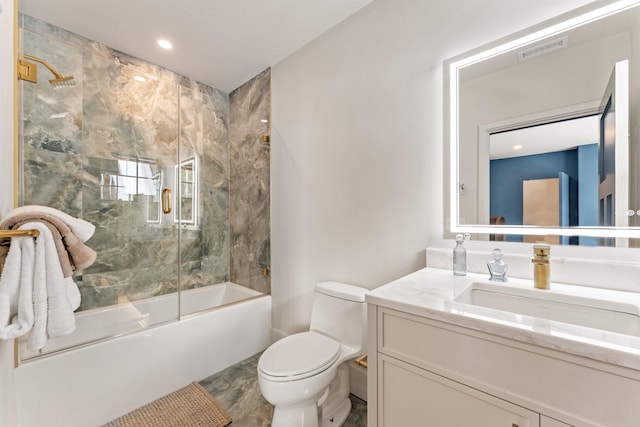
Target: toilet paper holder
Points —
{"points": [[361, 361]]}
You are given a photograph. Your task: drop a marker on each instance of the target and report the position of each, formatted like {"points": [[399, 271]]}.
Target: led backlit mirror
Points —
{"points": [[541, 131]]}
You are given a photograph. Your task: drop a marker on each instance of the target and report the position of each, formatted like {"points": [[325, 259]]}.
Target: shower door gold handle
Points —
{"points": [[166, 200]]}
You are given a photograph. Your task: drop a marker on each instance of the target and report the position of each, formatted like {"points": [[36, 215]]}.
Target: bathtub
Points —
{"points": [[92, 384]]}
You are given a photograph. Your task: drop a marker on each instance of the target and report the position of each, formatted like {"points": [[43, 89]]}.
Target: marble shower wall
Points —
{"points": [[103, 149], [249, 120]]}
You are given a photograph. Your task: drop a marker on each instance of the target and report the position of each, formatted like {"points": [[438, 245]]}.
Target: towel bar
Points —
{"points": [[6, 234]]}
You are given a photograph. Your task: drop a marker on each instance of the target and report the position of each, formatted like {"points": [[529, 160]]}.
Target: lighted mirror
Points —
{"points": [[539, 131]]}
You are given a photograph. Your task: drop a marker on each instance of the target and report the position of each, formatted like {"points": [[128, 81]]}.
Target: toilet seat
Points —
{"points": [[298, 356]]}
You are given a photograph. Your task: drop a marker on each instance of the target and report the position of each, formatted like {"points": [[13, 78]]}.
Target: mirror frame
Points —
{"points": [[573, 19]]}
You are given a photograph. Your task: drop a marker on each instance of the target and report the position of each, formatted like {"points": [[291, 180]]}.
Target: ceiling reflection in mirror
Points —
{"points": [[542, 131]]}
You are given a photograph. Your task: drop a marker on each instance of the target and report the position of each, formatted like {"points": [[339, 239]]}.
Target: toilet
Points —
{"points": [[305, 376]]}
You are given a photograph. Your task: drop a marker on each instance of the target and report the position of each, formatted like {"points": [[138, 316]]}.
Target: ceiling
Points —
{"points": [[612, 25], [548, 138], [222, 43]]}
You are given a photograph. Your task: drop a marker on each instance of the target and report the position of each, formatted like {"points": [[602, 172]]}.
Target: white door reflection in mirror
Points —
{"points": [[613, 153]]}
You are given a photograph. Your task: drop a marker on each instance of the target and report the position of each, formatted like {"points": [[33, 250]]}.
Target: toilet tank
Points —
{"points": [[340, 311]]}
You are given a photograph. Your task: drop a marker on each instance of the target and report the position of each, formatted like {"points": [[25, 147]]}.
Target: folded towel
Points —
{"points": [[34, 295], [81, 228], [72, 253]]}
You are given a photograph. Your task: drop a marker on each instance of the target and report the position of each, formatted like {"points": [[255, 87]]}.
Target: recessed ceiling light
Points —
{"points": [[165, 44], [264, 121], [517, 147], [140, 79]]}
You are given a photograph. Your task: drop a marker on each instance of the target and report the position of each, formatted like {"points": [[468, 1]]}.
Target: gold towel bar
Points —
{"points": [[5, 234]]}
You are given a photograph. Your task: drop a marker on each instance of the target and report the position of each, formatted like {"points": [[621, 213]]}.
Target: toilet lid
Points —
{"points": [[297, 354]]}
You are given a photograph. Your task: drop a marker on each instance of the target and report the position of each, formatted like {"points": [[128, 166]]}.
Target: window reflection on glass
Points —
{"points": [[133, 177], [109, 188], [187, 194]]}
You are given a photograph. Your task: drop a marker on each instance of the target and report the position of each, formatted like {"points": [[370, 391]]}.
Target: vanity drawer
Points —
{"points": [[407, 394], [575, 390]]}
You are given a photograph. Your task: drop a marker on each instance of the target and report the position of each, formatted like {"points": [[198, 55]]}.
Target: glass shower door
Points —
{"points": [[202, 197], [104, 150]]}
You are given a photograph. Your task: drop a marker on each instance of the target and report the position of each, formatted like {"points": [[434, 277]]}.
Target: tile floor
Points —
{"points": [[236, 390]]}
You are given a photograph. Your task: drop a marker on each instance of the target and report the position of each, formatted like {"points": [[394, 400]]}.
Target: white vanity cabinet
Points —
{"points": [[426, 372]]}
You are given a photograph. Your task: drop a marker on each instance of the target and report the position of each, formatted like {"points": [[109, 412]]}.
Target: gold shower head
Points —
{"points": [[29, 71], [62, 81]]}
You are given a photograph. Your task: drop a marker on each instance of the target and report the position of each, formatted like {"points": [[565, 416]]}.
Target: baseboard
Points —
{"points": [[277, 334]]}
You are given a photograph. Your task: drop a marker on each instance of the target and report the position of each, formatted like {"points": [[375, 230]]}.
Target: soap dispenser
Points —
{"points": [[497, 267], [459, 257], [540, 262]]}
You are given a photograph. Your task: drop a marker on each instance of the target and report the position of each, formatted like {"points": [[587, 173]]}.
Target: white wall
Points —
{"points": [[357, 176], [7, 75], [7, 72]]}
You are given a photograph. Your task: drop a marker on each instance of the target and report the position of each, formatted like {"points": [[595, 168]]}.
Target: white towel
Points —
{"points": [[82, 229], [34, 295], [16, 289]]}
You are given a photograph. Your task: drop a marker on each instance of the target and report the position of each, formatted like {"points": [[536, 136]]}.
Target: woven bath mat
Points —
{"points": [[191, 406]]}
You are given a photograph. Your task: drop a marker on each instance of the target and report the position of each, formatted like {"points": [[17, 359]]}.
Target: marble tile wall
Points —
{"points": [[75, 141], [250, 117]]}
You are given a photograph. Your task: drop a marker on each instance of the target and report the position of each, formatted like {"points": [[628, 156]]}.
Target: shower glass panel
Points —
{"points": [[116, 149], [104, 150], [201, 196]]}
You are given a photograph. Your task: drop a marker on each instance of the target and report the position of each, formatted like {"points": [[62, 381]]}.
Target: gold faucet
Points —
{"points": [[541, 266]]}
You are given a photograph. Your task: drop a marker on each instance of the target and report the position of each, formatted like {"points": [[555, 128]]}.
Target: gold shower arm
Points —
{"points": [[45, 63], [29, 71]]}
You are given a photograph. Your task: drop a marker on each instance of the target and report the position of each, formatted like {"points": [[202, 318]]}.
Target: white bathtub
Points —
{"points": [[93, 384], [98, 324]]}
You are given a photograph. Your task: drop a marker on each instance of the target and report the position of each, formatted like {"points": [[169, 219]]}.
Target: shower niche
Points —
{"points": [[173, 173]]}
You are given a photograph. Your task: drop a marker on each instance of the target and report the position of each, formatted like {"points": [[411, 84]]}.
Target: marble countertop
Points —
{"points": [[431, 293]]}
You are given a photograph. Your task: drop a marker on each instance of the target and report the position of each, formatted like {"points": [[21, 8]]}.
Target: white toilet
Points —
{"points": [[306, 375]]}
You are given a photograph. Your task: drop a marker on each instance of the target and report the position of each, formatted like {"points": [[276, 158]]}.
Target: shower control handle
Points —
{"points": [[166, 200]]}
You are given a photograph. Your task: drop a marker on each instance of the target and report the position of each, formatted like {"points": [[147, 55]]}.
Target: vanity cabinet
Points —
{"points": [[426, 372]]}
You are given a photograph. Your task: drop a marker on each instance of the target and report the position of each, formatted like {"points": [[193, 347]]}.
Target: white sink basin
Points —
{"points": [[600, 309]]}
